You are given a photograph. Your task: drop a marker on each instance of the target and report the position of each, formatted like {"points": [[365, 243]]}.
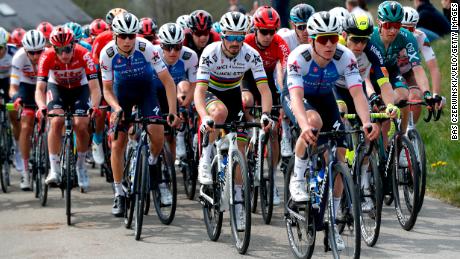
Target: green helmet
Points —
{"points": [[390, 11]]}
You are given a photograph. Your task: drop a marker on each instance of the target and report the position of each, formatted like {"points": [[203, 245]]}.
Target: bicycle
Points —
{"points": [[41, 161], [106, 167], [137, 176], [6, 142], [304, 219], [68, 159], [220, 195]]}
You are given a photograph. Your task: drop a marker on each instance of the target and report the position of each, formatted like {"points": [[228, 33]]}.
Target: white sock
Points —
{"points": [[119, 189], [206, 153], [81, 159], [285, 133], [300, 166], [54, 162], [336, 205], [180, 134], [238, 193]]}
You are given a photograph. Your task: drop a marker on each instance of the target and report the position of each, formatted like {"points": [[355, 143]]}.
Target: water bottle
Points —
{"points": [[313, 184], [222, 171], [320, 177]]}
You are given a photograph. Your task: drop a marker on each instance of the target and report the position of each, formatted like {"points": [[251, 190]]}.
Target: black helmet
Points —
{"points": [[359, 25]]}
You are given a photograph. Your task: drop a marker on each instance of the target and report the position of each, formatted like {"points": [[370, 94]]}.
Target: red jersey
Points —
{"points": [[74, 74], [277, 51], [188, 41], [99, 43]]}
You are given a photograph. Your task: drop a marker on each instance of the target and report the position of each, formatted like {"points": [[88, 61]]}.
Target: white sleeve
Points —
{"points": [[153, 54], [294, 69], [425, 47], [105, 61], [16, 72], [191, 67], [204, 66], [350, 69], [257, 68]]}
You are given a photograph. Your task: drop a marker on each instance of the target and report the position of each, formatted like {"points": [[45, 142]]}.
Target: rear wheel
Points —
{"points": [[66, 170], [266, 181], [4, 165], [211, 212], [166, 178], [141, 190], [189, 168], [419, 149], [42, 166], [251, 155]]}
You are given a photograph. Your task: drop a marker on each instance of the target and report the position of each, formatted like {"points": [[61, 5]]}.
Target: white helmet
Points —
{"points": [[33, 40], [410, 16], [235, 22], [125, 23], [340, 12], [183, 21], [322, 23], [4, 35], [171, 33]]}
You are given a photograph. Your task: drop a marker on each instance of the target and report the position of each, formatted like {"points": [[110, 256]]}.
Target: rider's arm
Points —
{"points": [[203, 75], [191, 75], [421, 78], [435, 75], [361, 104], [295, 85], [107, 79], [430, 59], [109, 95], [414, 60], [260, 78], [298, 107], [40, 97], [95, 92], [283, 58], [380, 73], [170, 88], [43, 68], [15, 76]]}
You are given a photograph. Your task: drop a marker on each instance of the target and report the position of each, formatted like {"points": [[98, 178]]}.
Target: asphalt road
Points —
{"points": [[28, 230]]}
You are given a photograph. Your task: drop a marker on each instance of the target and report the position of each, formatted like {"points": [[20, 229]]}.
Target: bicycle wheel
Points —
{"points": [[66, 169], [406, 184], [301, 233], [348, 216], [42, 166], [212, 214], [129, 202], [370, 216], [166, 176], [419, 149], [4, 165], [251, 155], [189, 167], [141, 190], [241, 236], [266, 180]]}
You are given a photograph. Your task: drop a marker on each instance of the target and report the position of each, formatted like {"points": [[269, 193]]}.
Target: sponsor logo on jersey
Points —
{"points": [[338, 54], [247, 57], [294, 67], [187, 55], [206, 61], [353, 65], [110, 52], [142, 46], [306, 55], [257, 60], [214, 57]]}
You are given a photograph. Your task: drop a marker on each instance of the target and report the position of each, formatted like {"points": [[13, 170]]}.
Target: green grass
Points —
{"points": [[442, 181]]}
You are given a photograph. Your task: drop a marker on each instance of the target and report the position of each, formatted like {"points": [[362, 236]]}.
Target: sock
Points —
{"points": [[364, 176], [336, 205], [300, 166], [285, 133], [54, 162], [206, 153], [81, 159], [238, 193], [118, 189], [97, 138], [180, 134], [153, 160], [26, 166]]}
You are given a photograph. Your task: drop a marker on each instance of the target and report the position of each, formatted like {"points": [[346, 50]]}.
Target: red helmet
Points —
{"points": [[45, 28], [61, 36], [17, 35], [148, 26], [98, 26], [200, 20], [267, 18]]}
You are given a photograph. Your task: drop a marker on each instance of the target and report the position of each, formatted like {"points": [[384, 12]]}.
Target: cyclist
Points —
{"points": [[127, 65], [312, 72], [6, 56], [16, 36], [409, 22], [183, 21], [46, 28], [66, 77], [390, 39], [78, 34], [200, 34], [298, 19], [148, 30], [218, 94], [22, 90], [273, 50], [96, 27]]}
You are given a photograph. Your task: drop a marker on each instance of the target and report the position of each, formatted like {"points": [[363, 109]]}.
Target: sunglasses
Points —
{"points": [[67, 49], [301, 27], [237, 38], [201, 33], [170, 47], [389, 25], [266, 32], [36, 52], [323, 39], [409, 28], [123, 36], [149, 38], [358, 39]]}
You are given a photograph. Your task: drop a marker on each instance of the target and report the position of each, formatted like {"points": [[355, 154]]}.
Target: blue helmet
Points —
{"points": [[76, 28], [300, 13]]}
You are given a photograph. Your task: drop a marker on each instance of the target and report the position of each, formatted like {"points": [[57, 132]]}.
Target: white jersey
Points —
{"points": [[290, 37], [186, 66], [424, 47], [303, 72], [222, 73], [5, 62], [23, 71]]}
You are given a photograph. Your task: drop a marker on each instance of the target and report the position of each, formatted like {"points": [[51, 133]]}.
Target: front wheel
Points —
{"points": [[4, 165], [419, 149], [165, 184], [141, 190], [211, 212], [266, 181], [67, 173]]}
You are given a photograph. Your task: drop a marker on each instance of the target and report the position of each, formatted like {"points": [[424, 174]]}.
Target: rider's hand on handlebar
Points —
{"points": [[205, 122], [266, 122], [17, 103], [308, 135], [173, 120], [41, 112], [373, 135], [428, 99], [393, 111]]}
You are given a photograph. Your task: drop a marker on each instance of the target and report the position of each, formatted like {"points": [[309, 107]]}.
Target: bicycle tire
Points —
{"points": [[349, 222], [4, 165], [43, 166], [241, 242], [166, 213], [419, 149], [293, 225], [189, 167], [212, 214], [66, 170], [266, 181], [141, 190], [406, 220], [129, 201], [251, 161]]}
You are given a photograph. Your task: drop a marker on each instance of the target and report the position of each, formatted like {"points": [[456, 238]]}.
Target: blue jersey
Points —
{"points": [[184, 69], [137, 68]]}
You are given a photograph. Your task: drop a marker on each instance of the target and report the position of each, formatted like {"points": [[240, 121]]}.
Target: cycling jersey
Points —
{"points": [[222, 73], [188, 41], [404, 41], [85, 45], [5, 62], [370, 60], [74, 74], [99, 43], [423, 46], [303, 72], [22, 69], [278, 50], [138, 67], [184, 69], [290, 37]]}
